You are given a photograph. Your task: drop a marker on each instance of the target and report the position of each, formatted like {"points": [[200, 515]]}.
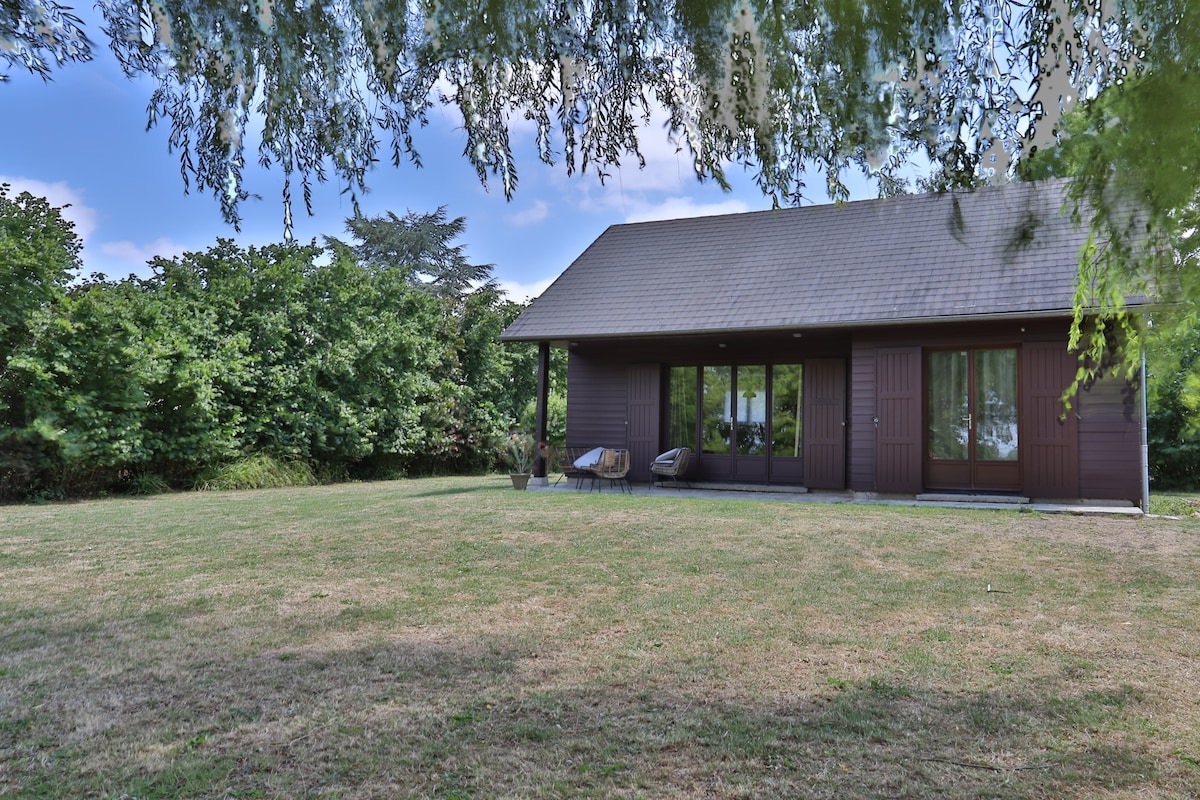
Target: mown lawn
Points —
{"points": [[452, 638]]}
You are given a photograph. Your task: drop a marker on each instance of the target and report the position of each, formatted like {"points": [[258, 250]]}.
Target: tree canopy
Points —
{"points": [[421, 246], [790, 89]]}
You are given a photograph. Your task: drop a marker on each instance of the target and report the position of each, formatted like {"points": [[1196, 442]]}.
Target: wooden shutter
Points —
{"points": [[898, 438], [644, 388], [825, 423], [1049, 442]]}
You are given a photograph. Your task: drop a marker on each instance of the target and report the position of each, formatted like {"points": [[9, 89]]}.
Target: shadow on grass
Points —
{"points": [[482, 717], [461, 489]]}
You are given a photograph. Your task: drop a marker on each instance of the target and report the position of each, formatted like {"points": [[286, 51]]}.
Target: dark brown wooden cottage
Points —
{"points": [[895, 346]]}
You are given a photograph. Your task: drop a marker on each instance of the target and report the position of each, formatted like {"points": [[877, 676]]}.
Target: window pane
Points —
{"points": [[996, 405], [716, 413], [948, 420], [786, 419], [752, 410], [681, 413]]}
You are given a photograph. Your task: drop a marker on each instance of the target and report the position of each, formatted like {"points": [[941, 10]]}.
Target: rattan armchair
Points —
{"points": [[564, 462], [671, 464], [613, 467]]}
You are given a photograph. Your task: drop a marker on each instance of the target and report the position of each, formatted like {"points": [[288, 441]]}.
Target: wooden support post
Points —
{"points": [[543, 400]]}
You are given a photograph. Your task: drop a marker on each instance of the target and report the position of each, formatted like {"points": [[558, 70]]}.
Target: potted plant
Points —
{"points": [[518, 454]]}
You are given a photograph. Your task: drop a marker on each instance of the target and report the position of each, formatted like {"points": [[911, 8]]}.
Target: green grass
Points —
{"points": [[1176, 504], [453, 638]]}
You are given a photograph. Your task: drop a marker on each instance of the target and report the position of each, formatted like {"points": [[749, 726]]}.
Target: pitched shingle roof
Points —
{"points": [[998, 251]]}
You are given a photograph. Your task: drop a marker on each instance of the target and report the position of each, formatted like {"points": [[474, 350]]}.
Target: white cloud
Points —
{"points": [[530, 216], [668, 166], [680, 207], [666, 187], [668, 169], [58, 194], [523, 292], [133, 256]]}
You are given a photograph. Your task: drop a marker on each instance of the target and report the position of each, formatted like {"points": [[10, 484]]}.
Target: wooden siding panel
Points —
{"points": [[898, 407], [596, 402], [1110, 441], [861, 436], [825, 423], [1050, 440]]}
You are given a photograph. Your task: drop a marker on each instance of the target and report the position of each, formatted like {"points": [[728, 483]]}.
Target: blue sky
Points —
{"points": [[81, 139]]}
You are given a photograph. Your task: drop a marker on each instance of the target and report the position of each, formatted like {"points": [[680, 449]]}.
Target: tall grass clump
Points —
{"points": [[148, 483], [257, 471]]}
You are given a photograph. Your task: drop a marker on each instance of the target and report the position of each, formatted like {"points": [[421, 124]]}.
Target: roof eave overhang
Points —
{"points": [[561, 336]]}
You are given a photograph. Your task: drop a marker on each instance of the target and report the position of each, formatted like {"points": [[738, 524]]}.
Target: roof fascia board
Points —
{"points": [[789, 328]]}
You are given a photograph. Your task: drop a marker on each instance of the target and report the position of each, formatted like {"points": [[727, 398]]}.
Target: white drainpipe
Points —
{"points": [[1144, 427]]}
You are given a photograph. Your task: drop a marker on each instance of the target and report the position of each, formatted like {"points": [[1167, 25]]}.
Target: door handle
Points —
{"points": [[968, 419]]}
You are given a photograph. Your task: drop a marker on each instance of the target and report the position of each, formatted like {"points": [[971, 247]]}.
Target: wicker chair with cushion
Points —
{"points": [[671, 464], [569, 463], [613, 467]]}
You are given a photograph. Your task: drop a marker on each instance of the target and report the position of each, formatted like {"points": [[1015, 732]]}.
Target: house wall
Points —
{"points": [[1109, 440], [599, 374], [596, 399], [1092, 455], [886, 436]]}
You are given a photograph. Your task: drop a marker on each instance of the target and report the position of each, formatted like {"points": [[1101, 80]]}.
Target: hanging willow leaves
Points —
{"points": [[39, 35], [788, 88], [791, 89]]}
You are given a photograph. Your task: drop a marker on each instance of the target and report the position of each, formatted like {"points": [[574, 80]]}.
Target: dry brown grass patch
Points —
{"points": [[451, 639]]}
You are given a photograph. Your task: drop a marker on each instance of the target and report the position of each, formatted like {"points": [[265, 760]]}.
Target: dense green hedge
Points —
{"points": [[296, 352], [1173, 379]]}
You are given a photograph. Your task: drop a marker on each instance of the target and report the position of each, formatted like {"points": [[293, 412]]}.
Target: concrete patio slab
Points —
{"points": [[785, 494]]}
